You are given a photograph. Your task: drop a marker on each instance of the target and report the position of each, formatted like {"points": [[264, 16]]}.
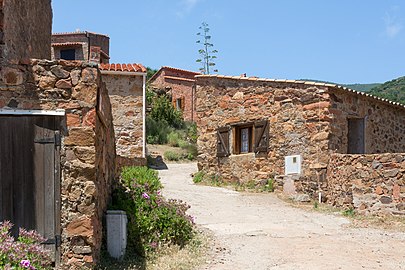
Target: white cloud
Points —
{"points": [[393, 25], [186, 6]]}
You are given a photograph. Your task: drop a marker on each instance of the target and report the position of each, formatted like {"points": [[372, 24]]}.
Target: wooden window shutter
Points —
{"points": [[223, 142], [182, 103], [261, 137]]}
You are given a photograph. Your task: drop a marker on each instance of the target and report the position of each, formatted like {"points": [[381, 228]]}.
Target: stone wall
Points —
{"points": [[305, 118], [126, 95], [25, 30], [88, 148], [384, 124], [369, 184], [297, 115]]}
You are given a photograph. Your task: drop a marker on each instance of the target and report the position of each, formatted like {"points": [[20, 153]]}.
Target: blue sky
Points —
{"points": [[343, 41]]}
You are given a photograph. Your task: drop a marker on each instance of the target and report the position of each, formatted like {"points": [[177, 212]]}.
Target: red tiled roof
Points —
{"points": [[181, 70], [67, 44], [188, 72], [123, 67], [179, 79]]}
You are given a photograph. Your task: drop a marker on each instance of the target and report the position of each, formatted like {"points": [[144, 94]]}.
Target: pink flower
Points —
{"points": [[25, 263], [145, 195]]}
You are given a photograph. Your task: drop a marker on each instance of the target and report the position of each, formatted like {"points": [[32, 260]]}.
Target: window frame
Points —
{"points": [[237, 138]]}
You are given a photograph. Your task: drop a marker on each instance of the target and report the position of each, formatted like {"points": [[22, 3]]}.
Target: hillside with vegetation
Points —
{"points": [[393, 90], [362, 87]]}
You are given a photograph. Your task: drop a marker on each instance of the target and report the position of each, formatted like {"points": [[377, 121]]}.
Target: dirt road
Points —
{"points": [[259, 231]]}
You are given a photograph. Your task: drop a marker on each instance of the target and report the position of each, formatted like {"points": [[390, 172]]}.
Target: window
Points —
{"points": [[246, 138], [243, 139], [178, 104], [68, 54]]}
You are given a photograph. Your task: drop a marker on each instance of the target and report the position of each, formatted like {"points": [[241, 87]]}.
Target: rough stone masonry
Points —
{"points": [[88, 147], [304, 118]]}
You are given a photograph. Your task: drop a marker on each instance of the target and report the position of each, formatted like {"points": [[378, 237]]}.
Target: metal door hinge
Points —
{"points": [[55, 241]]}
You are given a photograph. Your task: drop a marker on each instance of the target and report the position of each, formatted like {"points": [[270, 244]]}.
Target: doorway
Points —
{"points": [[356, 136], [30, 175]]}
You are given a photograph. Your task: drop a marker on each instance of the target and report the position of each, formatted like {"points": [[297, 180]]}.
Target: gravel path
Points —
{"points": [[259, 231]]}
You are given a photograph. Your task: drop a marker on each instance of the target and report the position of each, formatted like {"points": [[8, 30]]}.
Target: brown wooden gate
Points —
{"points": [[30, 175]]}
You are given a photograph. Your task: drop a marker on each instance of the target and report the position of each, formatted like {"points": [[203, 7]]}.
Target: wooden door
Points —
{"points": [[29, 175]]}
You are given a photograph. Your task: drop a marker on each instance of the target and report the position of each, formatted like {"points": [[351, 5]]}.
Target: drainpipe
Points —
{"points": [[192, 101], [144, 115]]}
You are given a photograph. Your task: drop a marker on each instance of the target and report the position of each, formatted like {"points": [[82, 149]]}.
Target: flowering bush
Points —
{"points": [[24, 253], [152, 220]]}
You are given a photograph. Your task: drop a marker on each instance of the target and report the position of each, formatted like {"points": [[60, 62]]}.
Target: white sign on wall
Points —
{"points": [[293, 164]]}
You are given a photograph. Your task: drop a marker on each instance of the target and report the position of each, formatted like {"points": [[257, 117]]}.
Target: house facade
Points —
{"points": [[297, 133], [81, 45], [126, 88], [180, 85]]}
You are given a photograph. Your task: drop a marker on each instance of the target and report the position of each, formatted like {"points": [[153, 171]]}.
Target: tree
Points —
{"points": [[207, 53]]}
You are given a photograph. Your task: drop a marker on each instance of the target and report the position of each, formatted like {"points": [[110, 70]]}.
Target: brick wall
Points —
{"points": [[83, 52], [369, 184], [88, 148], [180, 85]]}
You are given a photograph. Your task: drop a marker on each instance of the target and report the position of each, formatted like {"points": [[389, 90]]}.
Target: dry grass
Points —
{"points": [[189, 257]]}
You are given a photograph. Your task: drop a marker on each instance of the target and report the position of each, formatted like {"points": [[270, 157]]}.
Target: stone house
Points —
{"points": [[304, 135], [126, 88], [57, 145], [180, 85], [81, 45]]}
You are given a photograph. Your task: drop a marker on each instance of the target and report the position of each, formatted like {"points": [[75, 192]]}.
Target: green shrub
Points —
{"points": [[157, 130], [191, 149], [142, 176], [269, 187], [192, 132], [152, 220], [162, 109], [199, 177], [349, 212], [175, 139], [172, 156]]}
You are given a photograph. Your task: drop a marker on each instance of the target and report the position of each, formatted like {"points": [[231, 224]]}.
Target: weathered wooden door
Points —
{"points": [[30, 175]]}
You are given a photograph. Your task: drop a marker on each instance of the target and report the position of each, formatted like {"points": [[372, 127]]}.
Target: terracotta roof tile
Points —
{"points": [[123, 67], [179, 79], [67, 44], [181, 70], [336, 86]]}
